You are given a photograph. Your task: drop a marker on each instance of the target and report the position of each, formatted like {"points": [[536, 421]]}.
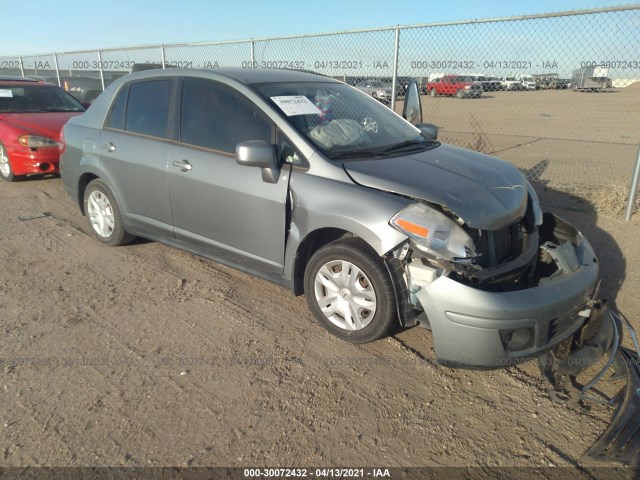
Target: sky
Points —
{"points": [[40, 26]]}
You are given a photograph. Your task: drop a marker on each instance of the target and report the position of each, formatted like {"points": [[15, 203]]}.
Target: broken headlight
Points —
{"points": [[535, 205], [434, 233]]}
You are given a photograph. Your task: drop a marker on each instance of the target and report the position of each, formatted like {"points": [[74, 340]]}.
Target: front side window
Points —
{"points": [[148, 107], [217, 117]]}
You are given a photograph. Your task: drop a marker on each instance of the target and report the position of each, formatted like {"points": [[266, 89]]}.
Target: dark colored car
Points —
{"points": [[84, 89], [489, 84], [32, 113]]}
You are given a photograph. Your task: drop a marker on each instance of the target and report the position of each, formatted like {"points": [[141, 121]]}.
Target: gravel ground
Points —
{"points": [[147, 356]]}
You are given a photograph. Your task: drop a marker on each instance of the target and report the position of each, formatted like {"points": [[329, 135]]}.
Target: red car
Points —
{"points": [[32, 113], [459, 85]]}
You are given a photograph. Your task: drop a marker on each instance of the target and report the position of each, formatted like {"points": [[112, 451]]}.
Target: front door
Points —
{"points": [[222, 208]]}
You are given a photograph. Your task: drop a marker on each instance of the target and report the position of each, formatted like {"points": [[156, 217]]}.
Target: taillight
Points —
{"points": [[66, 86]]}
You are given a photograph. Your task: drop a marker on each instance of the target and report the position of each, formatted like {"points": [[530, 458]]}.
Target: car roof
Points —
{"points": [[241, 77], [245, 75], [11, 80]]}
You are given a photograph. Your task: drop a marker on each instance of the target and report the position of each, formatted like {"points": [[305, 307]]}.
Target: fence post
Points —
{"points": [[55, 59], [21, 66], [252, 53], [634, 188], [394, 81], [101, 69], [162, 56]]}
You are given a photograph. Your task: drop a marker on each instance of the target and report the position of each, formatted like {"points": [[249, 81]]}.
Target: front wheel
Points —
{"points": [[349, 291], [104, 215], [5, 166], [460, 94], [434, 93]]}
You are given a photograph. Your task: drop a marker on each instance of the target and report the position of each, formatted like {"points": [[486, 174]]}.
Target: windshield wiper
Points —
{"points": [[355, 154], [409, 143]]}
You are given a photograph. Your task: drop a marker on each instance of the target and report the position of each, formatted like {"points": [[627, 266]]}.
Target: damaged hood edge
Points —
{"points": [[486, 192]]}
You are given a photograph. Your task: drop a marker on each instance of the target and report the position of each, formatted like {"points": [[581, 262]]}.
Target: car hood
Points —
{"points": [[486, 192], [47, 124]]}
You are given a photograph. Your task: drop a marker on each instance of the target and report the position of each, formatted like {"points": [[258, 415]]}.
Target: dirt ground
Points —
{"points": [[146, 356]]}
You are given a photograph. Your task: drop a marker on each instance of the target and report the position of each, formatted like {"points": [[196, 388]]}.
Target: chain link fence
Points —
{"points": [[559, 96]]}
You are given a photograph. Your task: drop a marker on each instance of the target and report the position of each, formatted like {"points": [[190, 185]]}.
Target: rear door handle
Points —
{"points": [[109, 147], [183, 165]]}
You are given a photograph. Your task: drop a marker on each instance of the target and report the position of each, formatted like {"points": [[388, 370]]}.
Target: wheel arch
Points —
{"points": [[309, 245], [84, 180]]}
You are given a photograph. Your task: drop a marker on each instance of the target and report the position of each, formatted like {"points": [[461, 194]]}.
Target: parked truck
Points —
{"points": [[461, 86], [590, 78]]}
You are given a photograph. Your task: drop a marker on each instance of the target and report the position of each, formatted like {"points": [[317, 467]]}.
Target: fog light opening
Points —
{"points": [[518, 339], [44, 166]]}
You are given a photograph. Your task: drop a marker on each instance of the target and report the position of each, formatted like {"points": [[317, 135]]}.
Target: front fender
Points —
{"points": [[323, 203]]}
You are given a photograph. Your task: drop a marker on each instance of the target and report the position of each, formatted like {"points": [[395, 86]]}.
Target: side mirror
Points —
{"points": [[258, 153], [412, 109], [429, 130]]}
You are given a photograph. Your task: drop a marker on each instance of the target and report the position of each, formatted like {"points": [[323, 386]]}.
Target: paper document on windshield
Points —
{"points": [[296, 105], [4, 93]]}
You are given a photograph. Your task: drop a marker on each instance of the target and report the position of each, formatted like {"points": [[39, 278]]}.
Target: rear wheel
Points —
{"points": [[460, 94], [349, 291], [5, 166], [104, 215], [433, 92]]}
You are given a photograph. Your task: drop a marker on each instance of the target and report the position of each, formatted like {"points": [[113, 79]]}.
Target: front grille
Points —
{"points": [[499, 246]]}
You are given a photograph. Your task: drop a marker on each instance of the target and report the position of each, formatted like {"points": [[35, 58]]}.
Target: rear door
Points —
{"points": [[134, 147], [220, 208]]}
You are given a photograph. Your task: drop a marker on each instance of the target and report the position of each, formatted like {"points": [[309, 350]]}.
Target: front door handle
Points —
{"points": [[109, 147], [183, 165]]}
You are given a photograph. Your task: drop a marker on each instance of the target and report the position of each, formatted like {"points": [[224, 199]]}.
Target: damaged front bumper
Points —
{"points": [[601, 341], [481, 328], [555, 317]]}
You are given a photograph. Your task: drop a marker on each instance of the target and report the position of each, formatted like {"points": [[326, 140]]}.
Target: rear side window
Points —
{"points": [[116, 117], [218, 117], [148, 108]]}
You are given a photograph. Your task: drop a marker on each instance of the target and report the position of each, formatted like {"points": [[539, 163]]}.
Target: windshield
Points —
{"points": [[341, 121], [36, 99]]}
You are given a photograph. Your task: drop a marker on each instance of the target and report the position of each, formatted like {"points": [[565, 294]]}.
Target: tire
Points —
{"points": [[6, 172], [366, 292], [460, 94], [104, 215], [433, 93]]}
